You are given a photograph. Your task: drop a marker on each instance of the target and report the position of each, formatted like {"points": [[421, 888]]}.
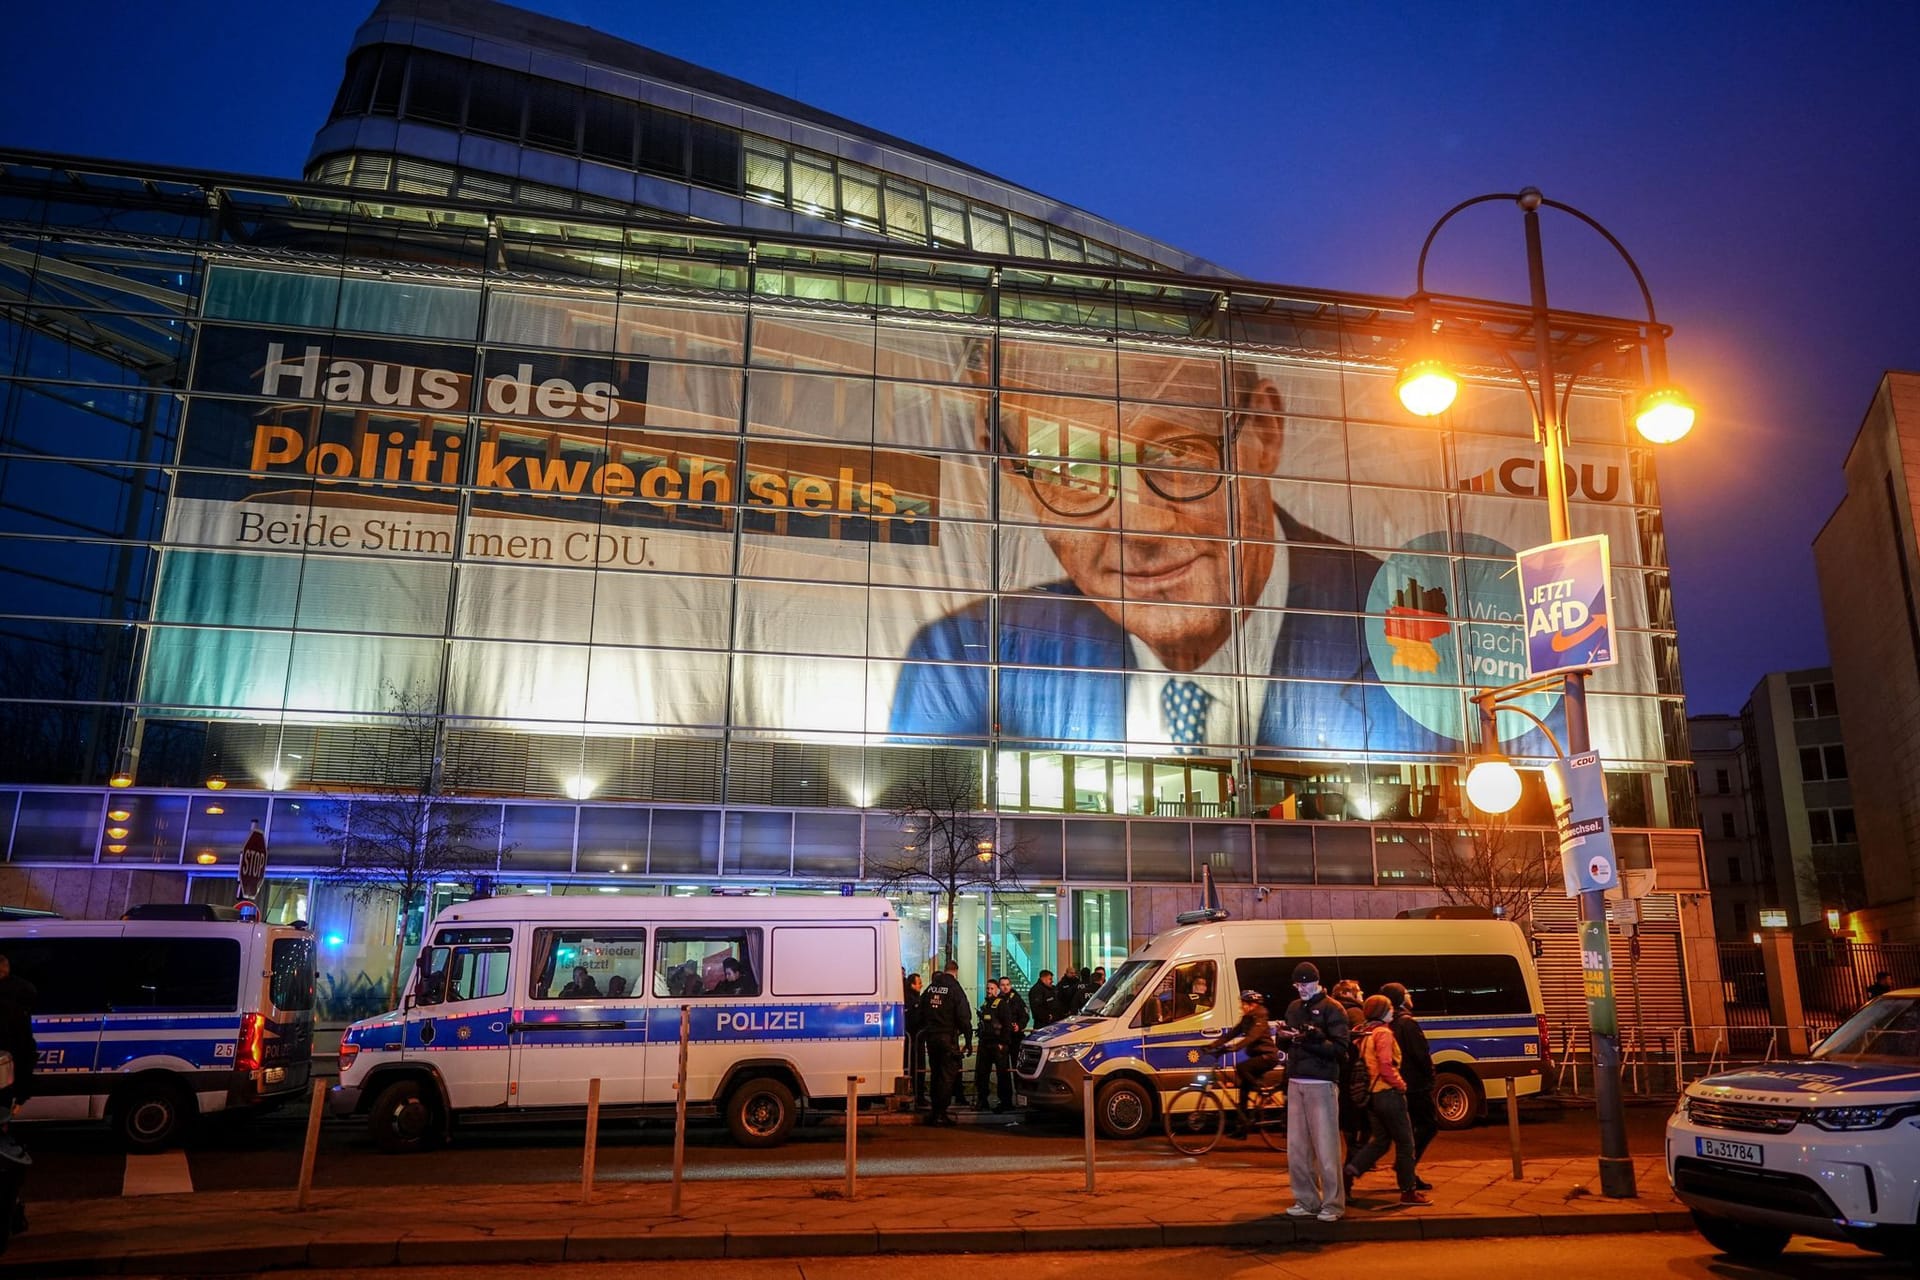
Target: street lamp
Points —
{"points": [[1664, 414]]}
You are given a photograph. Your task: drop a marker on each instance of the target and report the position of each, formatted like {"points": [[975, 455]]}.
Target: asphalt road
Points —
{"points": [[1671, 1256], [227, 1154]]}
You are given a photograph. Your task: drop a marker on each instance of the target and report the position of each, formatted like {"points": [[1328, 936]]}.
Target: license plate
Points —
{"points": [[1720, 1149], [1019, 1099], [276, 1075]]}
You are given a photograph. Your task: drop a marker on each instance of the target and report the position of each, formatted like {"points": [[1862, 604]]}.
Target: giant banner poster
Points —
{"points": [[849, 530]]}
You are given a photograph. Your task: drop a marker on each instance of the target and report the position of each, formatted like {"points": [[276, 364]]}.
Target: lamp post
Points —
{"points": [[1427, 388]]}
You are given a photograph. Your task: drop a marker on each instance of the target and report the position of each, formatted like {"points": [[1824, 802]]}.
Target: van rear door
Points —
{"points": [[287, 1047]]}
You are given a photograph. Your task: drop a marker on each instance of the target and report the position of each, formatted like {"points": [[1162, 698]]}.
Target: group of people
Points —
{"points": [[681, 980], [943, 1028], [1359, 1072]]}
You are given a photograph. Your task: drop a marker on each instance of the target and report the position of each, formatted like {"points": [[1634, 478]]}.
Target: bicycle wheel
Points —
{"points": [[1195, 1121], [1269, 1118]]}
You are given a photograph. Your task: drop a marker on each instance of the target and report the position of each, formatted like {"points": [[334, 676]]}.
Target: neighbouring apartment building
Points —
{"points": [[1868, 561]]}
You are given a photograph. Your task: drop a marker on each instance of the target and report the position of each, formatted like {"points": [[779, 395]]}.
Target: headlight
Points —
{"points": [[1069, 1052], [1844, 1119]]}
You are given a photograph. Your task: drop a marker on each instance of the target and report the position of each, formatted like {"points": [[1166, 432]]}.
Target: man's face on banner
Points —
{"points": [[1137, 505]]}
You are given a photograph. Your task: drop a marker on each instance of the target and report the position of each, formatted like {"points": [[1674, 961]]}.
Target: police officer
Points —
{"points": [[993, 1045], [945, 1020], [1043, 1000], [916, 1043]]}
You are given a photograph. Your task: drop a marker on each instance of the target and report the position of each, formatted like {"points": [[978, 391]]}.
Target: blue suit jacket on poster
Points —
{"points": [[1082, 700]]}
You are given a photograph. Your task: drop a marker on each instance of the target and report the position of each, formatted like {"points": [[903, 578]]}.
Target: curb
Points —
{"points": [[589, 1245]]}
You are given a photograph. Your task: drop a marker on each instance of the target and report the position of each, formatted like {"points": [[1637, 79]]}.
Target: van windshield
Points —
{"points": [[1128, 981], [1887, 1030]]}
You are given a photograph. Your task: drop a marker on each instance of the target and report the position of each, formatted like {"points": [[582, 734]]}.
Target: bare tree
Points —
{"points": [[401, 833], [1482, 861], [947, 842]]}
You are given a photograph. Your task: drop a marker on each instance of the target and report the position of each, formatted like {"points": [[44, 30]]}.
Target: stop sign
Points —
{"points": [[253, 864]]}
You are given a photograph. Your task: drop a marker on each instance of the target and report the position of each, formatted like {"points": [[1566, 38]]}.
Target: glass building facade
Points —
{"points": [[697, 547]]}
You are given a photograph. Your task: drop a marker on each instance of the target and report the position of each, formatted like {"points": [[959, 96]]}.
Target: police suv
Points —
{"points": [[1826, 1146]]}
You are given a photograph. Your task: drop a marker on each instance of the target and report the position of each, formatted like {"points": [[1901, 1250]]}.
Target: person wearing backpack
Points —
{"points": [[1416, 1064], [1387, 1100], [1355, 1121]]}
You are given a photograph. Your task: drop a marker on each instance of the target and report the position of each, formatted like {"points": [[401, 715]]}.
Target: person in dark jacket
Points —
{"points": [[945, 1020], [993, 1048], [1073, 993], [1316, 1048], [1416, 1066], [16, 1039], [1043, 1001], [1356, 1124], [1259, 1052], [1882, 983], [1011, 1022], [916, 1043]]}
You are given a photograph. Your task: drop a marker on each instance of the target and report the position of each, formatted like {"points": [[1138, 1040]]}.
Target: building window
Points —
{"points": [[1844, 832], [1820, 823], [1733, 871], [1813, 701], [1721, 783], [1835, 758], [1726, 826], [1739, 917]]}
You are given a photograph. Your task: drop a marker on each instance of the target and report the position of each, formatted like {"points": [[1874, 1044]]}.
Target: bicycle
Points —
{"points": [[1197, 1115]]}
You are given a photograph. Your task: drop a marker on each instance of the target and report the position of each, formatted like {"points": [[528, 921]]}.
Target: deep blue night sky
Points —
{"points": [[1762, 161]]}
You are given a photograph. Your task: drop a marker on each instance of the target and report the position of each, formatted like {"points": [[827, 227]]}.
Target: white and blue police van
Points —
{"points": [[175, 1012], [1141, 1036], [516, 1003], [1826, 1146]]}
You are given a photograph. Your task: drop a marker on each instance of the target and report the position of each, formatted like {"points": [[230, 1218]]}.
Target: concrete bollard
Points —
{"points": [[312, 1149], [592, 1152], [680, 1111], [1513, 1127], [853, 1130], [1086, 1110]]}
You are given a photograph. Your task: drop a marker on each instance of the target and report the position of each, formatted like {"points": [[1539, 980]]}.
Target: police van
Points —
{"points": [[515, 1003], [1472, 983], [1826, 1146], [151, 1022]]}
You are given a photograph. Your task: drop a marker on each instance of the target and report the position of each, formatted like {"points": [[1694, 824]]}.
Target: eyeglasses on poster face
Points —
{"points": [[1186, 466]]}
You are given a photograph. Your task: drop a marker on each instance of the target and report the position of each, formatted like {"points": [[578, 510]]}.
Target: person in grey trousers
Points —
{"points": [[1317, 1045]]}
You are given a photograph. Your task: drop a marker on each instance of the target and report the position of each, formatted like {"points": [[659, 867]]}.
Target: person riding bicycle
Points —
{"points": [[1253, 1036]]}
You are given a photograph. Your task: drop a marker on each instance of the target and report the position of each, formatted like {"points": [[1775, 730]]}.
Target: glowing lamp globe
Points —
{"points": [[1493, 786], [1427, 388], [1664, 415]]}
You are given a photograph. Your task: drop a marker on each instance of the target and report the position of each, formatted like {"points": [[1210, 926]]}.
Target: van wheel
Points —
{"points": [[1123, 1108], [1741, 1241], [761, 1112], [404, 1117], [153, 1115], [1458, 1100]]}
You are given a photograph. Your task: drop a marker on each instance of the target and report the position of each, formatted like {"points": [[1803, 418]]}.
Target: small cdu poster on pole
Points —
{"points": [[1566, 594]]}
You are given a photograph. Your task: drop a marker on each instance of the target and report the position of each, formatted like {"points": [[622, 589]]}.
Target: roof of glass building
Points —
{"points": [[488, 101]]}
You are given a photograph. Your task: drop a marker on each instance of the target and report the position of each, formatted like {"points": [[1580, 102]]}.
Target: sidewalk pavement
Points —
{"points": [[235, 1231]]}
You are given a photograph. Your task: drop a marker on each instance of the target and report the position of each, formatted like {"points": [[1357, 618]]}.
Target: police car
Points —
{"points": [[1826, 1146]]}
